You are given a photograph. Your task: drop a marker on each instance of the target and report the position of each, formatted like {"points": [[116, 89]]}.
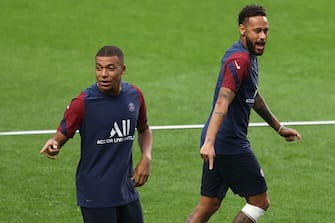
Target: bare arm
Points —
{"points": [[53, 145], [142, 170], [263, 110], [223, 101]]}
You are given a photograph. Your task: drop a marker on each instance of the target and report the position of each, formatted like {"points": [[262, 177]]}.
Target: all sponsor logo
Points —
{"points": [[119, 133]]}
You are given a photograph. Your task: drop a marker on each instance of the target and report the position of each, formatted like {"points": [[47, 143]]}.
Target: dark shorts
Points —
{"points": [[241, 173], [131, 212]]}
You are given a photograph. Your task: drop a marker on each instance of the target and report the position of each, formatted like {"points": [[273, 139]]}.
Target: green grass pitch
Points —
{"points": [[172, 50]]}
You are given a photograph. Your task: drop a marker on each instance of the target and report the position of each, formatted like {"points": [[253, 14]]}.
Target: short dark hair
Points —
{"points": [[250, 11], [109, 51]]}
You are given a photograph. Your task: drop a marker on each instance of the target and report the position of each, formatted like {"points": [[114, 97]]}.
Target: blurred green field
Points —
{"points": [[173, 51]]}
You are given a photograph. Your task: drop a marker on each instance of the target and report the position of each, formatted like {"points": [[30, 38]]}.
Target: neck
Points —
{"points": [[111, 92], [115, 92], [243, 42]]}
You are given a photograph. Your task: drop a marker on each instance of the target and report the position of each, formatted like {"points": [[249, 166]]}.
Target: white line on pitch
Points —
{"points": [[167, 127]]}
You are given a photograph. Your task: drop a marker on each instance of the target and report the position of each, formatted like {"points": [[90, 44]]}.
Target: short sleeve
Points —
{"points": [[73, 116], [142, 116], [235, 69]]}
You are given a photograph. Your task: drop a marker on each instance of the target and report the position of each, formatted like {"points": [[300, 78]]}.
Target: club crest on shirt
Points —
{"points": [[131, 107]]}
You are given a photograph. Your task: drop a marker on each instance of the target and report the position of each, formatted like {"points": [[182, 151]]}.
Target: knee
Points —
{"points": [[264, 204], [213, 208], [256, 206], [208, 209], [204, 210], [252, 212], [262, 201]]}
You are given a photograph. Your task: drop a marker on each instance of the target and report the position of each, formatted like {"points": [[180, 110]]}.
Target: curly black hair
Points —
{"points": [[250, 11]]}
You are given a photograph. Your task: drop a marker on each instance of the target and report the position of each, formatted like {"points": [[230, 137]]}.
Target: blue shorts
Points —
{"points": [[131, 212], [241, 173]]}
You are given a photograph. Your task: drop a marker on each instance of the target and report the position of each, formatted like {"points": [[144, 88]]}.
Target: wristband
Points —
{"points": [[280, 128]]}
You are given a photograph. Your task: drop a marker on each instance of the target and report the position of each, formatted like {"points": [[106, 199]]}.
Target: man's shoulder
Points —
{"points": [[131, 87], [91, 88], [237, 51]]}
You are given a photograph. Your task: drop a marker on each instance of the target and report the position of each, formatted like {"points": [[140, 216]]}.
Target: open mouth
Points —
{"points": [[105, 83], [260, 45]]}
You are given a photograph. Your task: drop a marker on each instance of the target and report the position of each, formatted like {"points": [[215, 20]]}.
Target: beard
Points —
{"points": [[252, 47]]}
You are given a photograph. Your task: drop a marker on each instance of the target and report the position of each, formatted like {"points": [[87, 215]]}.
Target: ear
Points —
{"points": [[124, 67], [242, 29]]}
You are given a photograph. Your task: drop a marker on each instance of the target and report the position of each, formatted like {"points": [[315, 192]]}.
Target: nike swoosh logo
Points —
{"points": [[236, 64]]}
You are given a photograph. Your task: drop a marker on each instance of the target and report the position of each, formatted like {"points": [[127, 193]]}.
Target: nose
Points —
{"points": [[263, 35], [104, 72]]}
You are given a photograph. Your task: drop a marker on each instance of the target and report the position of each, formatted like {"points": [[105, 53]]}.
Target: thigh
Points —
{"points": [[131, 212], [100, 215], [246, 177], [213, 185]]}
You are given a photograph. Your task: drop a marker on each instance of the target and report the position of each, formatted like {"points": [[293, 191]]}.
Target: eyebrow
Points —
{"points": [[108, 65]]}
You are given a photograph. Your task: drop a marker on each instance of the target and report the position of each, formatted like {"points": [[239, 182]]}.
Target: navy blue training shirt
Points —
{"points": [[238, 72], [107, 128]]}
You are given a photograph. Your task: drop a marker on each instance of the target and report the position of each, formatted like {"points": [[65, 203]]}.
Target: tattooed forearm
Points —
{"points": [[263, 110], [265, 113], [221, 114], [223, 95]]}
